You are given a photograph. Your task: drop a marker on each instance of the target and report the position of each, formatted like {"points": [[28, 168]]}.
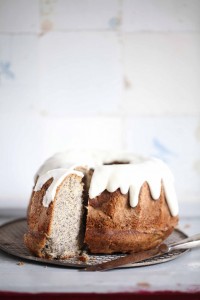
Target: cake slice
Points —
{"points": [[56, 228]]}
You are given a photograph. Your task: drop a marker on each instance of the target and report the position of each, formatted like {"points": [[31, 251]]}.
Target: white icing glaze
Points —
{"points": [[58, 176], [90, 159], [69, 159], [128, 177]]}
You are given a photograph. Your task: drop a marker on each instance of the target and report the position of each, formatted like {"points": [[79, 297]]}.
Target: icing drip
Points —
{"points": [[128, 177], [58, 176]]}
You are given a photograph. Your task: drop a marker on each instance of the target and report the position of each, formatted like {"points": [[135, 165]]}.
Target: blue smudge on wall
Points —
{"points": [[162, 151], [6, 70], [114, 22]]}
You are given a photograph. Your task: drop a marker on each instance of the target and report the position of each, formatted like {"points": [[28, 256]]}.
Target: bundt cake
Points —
{"points": [[131, 206]]}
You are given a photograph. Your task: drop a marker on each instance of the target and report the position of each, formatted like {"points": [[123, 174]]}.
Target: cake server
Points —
{"points": [[188, 243]]}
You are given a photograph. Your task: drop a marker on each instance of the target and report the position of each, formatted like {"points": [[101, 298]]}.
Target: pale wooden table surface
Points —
{"points": [[181, 274]]}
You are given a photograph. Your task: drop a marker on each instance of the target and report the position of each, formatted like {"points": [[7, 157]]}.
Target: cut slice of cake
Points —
{"points": [[55, 215]]}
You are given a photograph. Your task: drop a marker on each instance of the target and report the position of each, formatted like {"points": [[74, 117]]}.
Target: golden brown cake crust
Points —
{"points": [[39, 221], [114, 226]]}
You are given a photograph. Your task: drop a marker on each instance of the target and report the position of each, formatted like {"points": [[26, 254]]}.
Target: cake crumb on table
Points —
{"points": [[20, 263], [84, 257]]}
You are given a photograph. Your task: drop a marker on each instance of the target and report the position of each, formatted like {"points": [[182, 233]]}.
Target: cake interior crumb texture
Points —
{"points": [[66, 233]]}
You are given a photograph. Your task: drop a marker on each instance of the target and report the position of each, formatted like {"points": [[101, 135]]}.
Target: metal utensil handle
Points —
{"points": [[185, 245], [192, 238]]}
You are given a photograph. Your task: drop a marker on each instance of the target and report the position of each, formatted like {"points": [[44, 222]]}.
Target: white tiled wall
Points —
{"points": [[19, 16], [163, 72], [84, 15], [161, 15], [116, 74], [81, 74]]}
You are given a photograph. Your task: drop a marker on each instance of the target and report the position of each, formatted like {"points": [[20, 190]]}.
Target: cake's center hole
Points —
{"points": [[117, 163]]}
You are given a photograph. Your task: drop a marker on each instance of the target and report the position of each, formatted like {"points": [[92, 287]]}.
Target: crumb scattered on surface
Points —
{"points": [[143, 284], [20, 263], [84, 257]]}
